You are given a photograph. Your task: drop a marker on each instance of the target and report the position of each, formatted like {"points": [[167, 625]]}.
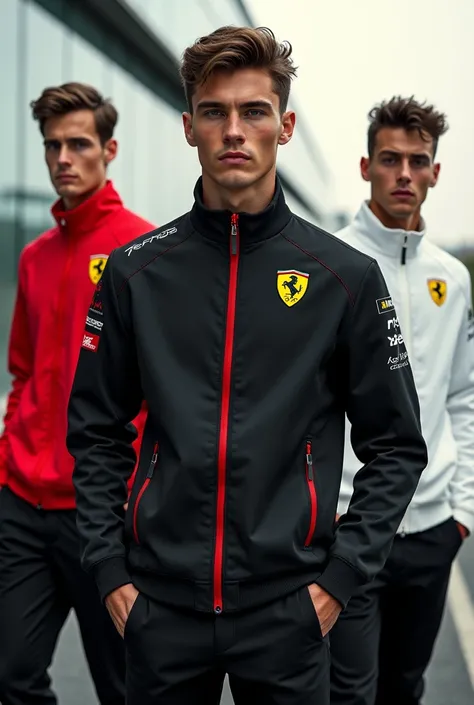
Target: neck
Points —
{"points": [[410, 222], [253, 199], [74, 201]]}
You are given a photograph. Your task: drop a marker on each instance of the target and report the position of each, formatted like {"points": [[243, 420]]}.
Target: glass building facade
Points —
{"points": [[130, 51]]}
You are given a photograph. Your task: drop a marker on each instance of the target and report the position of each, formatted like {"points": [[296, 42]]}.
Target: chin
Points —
{"points": [[402, 210], [68, 191], [236, 180]]}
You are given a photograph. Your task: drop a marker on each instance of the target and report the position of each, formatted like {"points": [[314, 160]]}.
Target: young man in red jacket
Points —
{"points": [[41, 578]]}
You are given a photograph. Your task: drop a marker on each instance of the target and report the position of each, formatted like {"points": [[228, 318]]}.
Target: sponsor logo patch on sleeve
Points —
{"points": [[90, 341], [384, 305]]}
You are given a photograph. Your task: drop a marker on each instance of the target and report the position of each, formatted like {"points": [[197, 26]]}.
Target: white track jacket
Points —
{"points": [[431, 293]]}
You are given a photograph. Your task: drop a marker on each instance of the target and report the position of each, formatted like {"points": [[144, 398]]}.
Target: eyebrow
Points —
{"points": [[248, 104], [68, 139], [393, 152]]}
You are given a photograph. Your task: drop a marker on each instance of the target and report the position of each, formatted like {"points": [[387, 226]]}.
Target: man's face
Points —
{"points": [[76, 159], [400, 171], [236, 126]]}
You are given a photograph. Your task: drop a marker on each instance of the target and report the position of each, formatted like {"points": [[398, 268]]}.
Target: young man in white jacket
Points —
{"points": [[382, 643]]}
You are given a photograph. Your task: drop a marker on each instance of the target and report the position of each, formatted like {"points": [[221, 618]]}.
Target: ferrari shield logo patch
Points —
{"points": [[96, 267], [291, 285], [438, 290]]}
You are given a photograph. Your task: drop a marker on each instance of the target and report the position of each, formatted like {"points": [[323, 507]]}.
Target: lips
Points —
{"points": [[402, 193], [234, 158]]}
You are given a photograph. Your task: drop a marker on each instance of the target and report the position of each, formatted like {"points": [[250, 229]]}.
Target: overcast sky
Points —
{"points": [[353, 53]]}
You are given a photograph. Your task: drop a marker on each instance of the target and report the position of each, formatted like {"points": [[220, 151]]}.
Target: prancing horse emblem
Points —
{"points": [[96, 267], [291, 285]]}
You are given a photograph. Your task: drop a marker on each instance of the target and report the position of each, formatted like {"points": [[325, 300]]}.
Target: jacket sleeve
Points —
{"points": [[20, 363], [382, 406], [460, 406], [106, 397]]}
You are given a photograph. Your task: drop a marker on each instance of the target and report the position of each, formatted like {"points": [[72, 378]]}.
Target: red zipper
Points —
{"points": [[149, 475], [312, 493], [225, 404]]}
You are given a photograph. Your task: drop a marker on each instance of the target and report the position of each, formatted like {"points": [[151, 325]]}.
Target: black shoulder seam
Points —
{"points": [[143, 266], [326, 266]]}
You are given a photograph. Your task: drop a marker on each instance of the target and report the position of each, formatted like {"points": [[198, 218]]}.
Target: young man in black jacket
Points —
{"points": [[249, 333]]}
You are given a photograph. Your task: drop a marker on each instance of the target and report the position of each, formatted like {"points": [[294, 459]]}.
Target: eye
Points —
{"points": [[213, 113], [51, 146], [80, 144], [388, 161], [420, 162], [255, 112]]}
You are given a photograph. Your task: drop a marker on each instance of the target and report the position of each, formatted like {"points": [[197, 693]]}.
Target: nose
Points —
{"points": [[233, 129], [64, 158], [405, 172]]}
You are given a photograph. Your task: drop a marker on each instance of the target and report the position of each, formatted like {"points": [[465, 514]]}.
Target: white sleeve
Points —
{"points": [[460, 406]]}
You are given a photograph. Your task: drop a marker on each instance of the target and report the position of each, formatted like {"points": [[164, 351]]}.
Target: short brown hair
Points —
{"points": [[232, 48], [409, 114], [60, 100]]}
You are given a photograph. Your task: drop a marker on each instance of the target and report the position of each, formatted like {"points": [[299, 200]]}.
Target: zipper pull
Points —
{"points": [[233, 233], [309, 461], [154, 458], [404, 250]]}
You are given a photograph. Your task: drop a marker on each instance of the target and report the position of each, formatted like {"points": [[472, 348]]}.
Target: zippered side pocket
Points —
{"points": [[143, 488], [313, 499]]}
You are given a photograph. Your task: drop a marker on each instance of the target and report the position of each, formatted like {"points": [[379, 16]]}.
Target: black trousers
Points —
{"points": [[382, 643], [41, 580], [274, 655]]}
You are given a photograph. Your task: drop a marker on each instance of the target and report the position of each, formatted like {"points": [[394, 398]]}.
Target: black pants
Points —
{"points": [[274, 655], [383, 641], [40, 581]]}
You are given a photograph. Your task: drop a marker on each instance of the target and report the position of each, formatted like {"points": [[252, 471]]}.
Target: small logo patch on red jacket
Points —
{"points": [[90, 341]]}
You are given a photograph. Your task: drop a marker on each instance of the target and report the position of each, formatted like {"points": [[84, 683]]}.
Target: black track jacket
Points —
{"points": [[249, 337]]}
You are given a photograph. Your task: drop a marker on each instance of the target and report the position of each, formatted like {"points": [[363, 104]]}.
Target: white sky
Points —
{"points": [[352, 54]]}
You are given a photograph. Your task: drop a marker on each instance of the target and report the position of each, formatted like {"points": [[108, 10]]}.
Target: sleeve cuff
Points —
{"points": [[465, 518], [340, 580], [111, 574]]}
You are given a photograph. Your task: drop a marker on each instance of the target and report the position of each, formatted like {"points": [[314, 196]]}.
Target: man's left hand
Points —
{"points": [[462, 530], [327, 607]]}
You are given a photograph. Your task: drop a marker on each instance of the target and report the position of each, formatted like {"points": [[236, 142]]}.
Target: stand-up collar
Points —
{"points": [[90, 213], [388, 241], [253, 227]]}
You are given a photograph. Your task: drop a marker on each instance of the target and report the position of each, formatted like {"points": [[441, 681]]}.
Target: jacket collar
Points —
{"points": [[216, 224], [387, 241], [90, 213]]}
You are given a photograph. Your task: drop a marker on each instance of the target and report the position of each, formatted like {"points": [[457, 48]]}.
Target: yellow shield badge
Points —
{"points": [[438, 290], [291, 285], [96, 267]]}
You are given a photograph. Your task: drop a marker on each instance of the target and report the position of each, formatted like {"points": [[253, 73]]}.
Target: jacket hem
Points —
{"points": [[237, 596], [46, 497], [425, 516]]}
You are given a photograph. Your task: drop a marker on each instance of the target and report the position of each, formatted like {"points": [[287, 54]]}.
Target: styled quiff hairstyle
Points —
{"points": [[60, 100], [232, 48], [409, 114]]}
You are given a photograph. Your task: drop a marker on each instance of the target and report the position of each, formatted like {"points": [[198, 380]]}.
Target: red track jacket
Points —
{"points": [[57, 275]]}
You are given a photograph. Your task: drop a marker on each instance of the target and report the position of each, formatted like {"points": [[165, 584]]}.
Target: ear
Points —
{"points": [[288, 122], [110, 151], [188, 129], [364, 168], [435, 175]]}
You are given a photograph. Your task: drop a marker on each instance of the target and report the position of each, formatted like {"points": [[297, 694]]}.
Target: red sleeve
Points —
{"points": [[20, 363]]}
